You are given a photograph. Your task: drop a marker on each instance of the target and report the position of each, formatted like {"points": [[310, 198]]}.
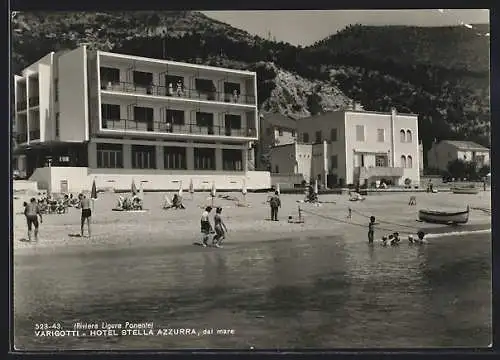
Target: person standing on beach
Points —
{"points": [[371, 229], [220, 228], [206, 227], [86, 213], [32, 212], [275, 204]]}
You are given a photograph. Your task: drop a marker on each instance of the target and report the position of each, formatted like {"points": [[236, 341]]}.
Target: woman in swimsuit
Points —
{"points": [[220, 228]]}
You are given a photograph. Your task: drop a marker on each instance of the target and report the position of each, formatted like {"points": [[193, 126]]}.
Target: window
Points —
{"points": [[143, 157], [402, 135], [403, 161], [204, 159], [204, 85], [110, 111], [318, 137], [280, 132], [360, 133], [409, 162], [293, 133], [305, 137], [232, 121], [381, 161], [109, 156], [380, 135], [174, 80], [230, 88], [175, 117], [333, 135], [56, 89], [232, 159], [333, 162], [143, 114], [409, 136], [276, 169], [204, 119], [143, 78], [174, 158], [269, 131], [57, 124], [109, 75]]}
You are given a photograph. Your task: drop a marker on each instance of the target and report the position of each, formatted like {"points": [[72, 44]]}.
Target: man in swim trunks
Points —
{"points": [[86, 213], [32, 211], [206, 227]]}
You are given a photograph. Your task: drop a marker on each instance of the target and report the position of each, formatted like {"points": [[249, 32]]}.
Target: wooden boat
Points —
{"points": [[465, 190], [444, 217]]}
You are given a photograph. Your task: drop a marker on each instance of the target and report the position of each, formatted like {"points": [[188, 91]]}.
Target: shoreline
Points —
{"points": [[158, 228]]}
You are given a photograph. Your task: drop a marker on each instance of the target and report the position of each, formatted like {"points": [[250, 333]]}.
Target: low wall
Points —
{"points": [[24, 185], [80, 179], [286, 181]]}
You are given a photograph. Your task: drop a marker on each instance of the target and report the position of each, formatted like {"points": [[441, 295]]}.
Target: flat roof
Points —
{"points": [[176, 63]]}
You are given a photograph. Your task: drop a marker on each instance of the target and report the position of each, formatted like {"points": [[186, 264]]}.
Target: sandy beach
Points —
{"points": [[158, 227]]}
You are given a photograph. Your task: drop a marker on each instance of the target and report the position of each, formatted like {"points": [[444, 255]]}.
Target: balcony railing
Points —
{"points": [[184, 92], [162, 127], [22, 138], [34, 101], [35, 134], [21, 105]]}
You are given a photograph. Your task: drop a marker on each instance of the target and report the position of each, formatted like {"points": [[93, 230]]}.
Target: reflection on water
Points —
{"points": [[283, 294]]}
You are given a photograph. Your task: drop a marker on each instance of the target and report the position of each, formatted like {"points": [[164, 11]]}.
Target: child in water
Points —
{"points": [[371, 229]]}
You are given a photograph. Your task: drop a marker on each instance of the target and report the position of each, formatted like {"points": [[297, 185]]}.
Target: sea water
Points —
{"points": [[300, 293]]}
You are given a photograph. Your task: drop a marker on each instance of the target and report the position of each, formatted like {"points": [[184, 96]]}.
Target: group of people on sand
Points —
{"points": [[393, 239], [33, 211], [129, 203], [219, 229], [49, 204], [175, 203]]}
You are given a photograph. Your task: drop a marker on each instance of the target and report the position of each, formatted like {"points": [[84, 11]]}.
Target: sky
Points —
{"points": [[304, 27]]}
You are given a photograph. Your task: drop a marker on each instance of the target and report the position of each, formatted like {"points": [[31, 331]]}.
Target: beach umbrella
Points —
{"points": [[180, 189], [191, 186], [134, 188], [213, 192], [141, 191], [244, 189], [93, 192], [316, 186], [278, 189]]}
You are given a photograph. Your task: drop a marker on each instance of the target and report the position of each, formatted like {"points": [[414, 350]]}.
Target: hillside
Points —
{"points": [[440, 73]]}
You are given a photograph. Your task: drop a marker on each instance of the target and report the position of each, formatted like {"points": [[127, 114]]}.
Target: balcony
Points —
{"points": [[21, 105], [34, 101], [22, 138], [378, 171], [181, 93], [185, 129], [35, 135]]}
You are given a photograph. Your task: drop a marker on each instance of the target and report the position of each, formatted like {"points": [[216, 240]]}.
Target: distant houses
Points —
{"points": [[446, 151], [275, 130], [352, 147]]}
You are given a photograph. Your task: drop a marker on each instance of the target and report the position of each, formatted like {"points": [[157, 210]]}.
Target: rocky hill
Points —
{"points": [[440, 73]]}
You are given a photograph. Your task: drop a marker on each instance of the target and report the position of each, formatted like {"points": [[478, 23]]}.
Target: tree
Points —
{"points": [[462, 169]]}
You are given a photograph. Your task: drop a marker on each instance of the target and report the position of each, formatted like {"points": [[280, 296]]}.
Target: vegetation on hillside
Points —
{"points": [[442, 73]]}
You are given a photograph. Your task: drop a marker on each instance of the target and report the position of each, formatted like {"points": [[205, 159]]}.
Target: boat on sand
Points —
{"points": [[444, 217], [465, 190]]}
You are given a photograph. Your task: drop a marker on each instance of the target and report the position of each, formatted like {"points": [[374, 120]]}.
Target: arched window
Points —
{"points": [[409, 162], [408, 136], [403, 161], [403, 136]]}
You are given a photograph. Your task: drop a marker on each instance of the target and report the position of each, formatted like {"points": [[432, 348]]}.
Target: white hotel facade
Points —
{"points": [[86, 115]]}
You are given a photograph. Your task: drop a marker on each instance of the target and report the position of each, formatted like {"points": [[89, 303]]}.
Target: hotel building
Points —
{"points": [[86, 115], [350, 146]]}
